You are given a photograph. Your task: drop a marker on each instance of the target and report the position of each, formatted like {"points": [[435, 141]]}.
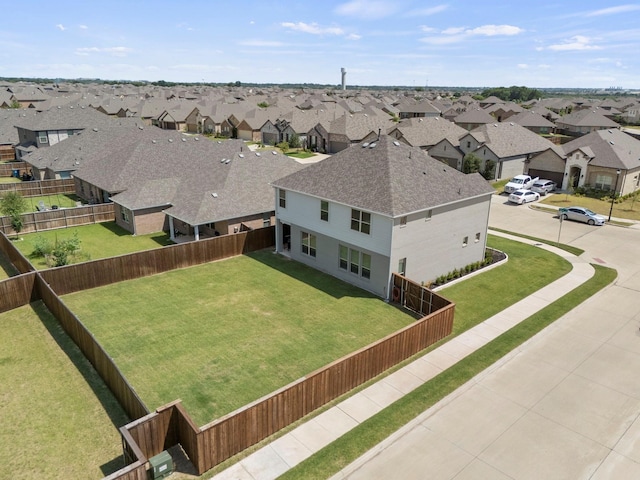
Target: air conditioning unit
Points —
{"points": [[161, 465]]}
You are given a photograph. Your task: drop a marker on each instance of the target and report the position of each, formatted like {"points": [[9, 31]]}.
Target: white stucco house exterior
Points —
{"points": [[382, 207]]}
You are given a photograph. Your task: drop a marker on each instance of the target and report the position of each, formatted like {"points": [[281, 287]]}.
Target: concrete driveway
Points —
{"points": [[566, 405]]}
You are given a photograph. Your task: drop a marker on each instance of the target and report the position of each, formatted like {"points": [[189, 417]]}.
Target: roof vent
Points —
{"points": [[511, 123], [94, 129], [241, 155], [611, 142], [196, 139], [219, 141], [184, 139], [257, 154], [365, 145], [140, 127], [214, 195], [372, 145], [396, 143], [273, 152], [495, 124], [227, 161], [171, 140], [222, 161]]}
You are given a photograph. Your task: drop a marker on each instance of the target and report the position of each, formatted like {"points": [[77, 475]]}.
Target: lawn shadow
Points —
{"points": [[7, 266], [114, 228], [113, 465], [110, 404], [314, 278]]}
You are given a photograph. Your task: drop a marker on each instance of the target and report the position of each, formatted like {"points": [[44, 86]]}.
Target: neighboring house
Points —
{"points": [[351, 129], [379, 208], [184, 117], [160, 180], [507, 144], [473, 118], [8, 133], [530, 120], [416, 109], [503, 111], [38, 130], [593, 160], [581, 122], [426, 132]]}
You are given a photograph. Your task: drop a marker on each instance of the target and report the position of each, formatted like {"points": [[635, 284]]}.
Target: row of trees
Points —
{"points": [[513, 93], [471, 163]]}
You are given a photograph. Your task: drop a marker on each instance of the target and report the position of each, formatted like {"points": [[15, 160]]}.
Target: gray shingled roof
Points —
{"points": [[62, 118], [392, 179], [427, 131], [508, 139], [587, 118], [611, 149], [529, 118]]}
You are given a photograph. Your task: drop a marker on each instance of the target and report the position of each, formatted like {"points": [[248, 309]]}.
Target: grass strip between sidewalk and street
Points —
{"points": [[563, 246], [365, 436]]}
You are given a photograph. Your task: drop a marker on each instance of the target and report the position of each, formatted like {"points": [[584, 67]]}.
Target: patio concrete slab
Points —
{"points": [[459, 423], [590, 409], [535, 448]]}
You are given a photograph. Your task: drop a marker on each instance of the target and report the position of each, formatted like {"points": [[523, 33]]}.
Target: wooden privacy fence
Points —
{"points": [[17, 291], [36, 188], [82, 276], [211, 444], [414, 296], [15, 256], [6, 169], [61, 218]]}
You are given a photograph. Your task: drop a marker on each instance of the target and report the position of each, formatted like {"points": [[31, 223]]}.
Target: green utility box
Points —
{"points": [[161, 465]]}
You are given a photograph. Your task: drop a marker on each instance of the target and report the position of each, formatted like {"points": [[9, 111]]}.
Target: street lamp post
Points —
{"points": [[613, 197]]}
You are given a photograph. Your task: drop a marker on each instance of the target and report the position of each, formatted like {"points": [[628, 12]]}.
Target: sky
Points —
{"points": [[415, 43]]}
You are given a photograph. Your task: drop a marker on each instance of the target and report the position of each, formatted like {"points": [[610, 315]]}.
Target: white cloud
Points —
{"points": [[313, 28], [425, 12], [83, 27], [613, 10], [575, 43], [61, 27], [114, 51], [252, 22], [367, 9], [426, 29], [492, 30], [453, 30], [524, 66], [353, 36], [544, 66]]}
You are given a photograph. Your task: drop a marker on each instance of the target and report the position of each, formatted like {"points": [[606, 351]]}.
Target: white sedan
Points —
{"points": [[523, 196]]}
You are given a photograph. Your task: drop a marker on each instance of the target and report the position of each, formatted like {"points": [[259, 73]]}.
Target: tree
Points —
{"points": [[489, 172], [263, 104], [294, 141], [470, 163], [15, 104], [13, 205]]}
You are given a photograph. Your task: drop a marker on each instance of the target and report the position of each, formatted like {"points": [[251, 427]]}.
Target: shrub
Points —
{"points": [[41, 247]]}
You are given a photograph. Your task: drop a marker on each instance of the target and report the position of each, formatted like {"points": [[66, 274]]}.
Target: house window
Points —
{"points": [[42, 137], [324, 210], [469, 144], [282, 195], [70, 133], [603, 182], [354, 257], [124, 213], [477, 237], [445, 148], [360, 221], [266, 220], [403, 221], [402, 266], [366, 266], [308, 244], [344, 257], [428, 216], [465, 241]]}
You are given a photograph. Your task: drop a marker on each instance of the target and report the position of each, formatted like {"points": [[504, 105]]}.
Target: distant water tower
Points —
{"points": [[344, 78]]}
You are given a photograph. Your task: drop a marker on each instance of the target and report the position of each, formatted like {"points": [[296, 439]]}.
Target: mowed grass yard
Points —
{"points": [[97, 241], [628, 209], [223, 334], [58, 420]]}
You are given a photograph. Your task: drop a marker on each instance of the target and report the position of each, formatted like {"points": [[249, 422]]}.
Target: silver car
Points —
{"points": [[581, 214], [543, 186]]}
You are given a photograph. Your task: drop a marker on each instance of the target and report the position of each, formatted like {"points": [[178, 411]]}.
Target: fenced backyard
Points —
{"points": [[217, 441]]}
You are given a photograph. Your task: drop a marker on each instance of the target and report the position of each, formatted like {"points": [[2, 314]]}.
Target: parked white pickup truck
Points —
{"points": [[524, 182]]}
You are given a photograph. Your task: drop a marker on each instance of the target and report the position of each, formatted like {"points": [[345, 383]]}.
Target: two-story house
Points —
{"points": [[382, 207]]}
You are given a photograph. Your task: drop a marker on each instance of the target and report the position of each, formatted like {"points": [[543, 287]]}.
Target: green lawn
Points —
{"points": [[9, 180], [337, 455], [301, 154], [627, 209], [96, 241], [58, 420], [223, 334], [499, 185], [61, 200]]}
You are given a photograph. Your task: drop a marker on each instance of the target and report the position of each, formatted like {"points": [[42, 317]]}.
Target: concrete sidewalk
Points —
{"points": [[276, 458]]}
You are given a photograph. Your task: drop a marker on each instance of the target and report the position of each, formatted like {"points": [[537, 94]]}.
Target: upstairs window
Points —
{"points": [[42, 137], [282, 196], [360, 221], [324, 210]]}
